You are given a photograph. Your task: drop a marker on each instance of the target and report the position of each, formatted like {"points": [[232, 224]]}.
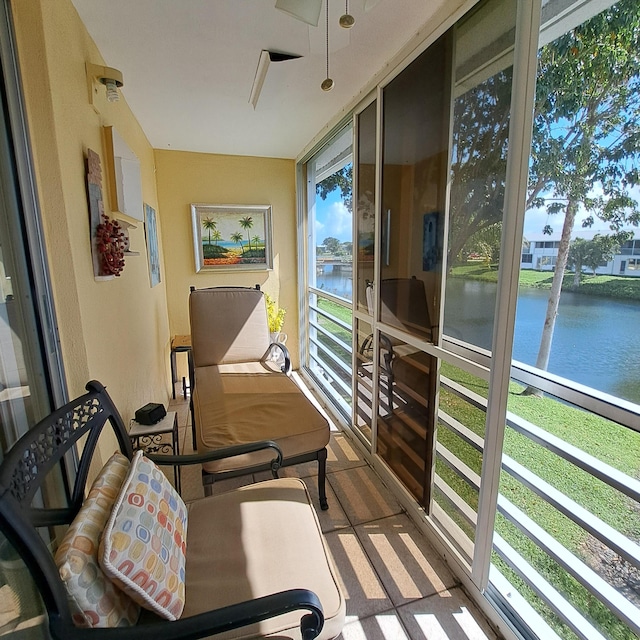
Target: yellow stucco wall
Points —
{"points": [[185, 178], [119, 331], [115, 331]]}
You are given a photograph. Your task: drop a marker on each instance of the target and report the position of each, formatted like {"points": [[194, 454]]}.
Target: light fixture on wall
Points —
{"points": [[109, 77], [327, 83], [347, 20], [265, 59]]}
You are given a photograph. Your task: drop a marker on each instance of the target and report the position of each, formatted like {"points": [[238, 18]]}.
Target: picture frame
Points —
{"points": [[151, 234], [233, 237], [429, 241], [124, 179]]}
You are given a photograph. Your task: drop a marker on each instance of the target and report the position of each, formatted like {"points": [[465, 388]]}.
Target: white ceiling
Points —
{"points": [[189, 65]]}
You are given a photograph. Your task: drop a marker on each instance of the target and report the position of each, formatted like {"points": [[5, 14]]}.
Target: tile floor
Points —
{"points": [[396, 586]]}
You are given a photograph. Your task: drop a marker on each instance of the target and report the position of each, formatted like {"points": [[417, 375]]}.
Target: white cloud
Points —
{"points": [[536, 219], [336, 223]]}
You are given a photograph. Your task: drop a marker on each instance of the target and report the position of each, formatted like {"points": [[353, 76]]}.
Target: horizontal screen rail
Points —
{"points": [[546, 592], [588, 578], [331, 336]]}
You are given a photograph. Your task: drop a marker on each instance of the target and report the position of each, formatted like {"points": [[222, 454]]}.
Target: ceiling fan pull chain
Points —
{"points": [[327, 83], [347, 20]]}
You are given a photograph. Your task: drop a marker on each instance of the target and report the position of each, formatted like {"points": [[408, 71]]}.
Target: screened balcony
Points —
{"points": [[562, 553]]}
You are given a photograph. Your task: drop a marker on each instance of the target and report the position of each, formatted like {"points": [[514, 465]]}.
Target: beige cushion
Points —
{"points": [[262, 539], [236, 408], [228, 325], [143, 548], [94, 600]]}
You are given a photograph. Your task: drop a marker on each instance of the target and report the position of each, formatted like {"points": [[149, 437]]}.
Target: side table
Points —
{"points": [[150, 438], [180, 344]]}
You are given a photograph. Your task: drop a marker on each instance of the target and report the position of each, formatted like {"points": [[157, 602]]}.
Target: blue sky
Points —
{"points": [[536, 219], [333, 220]]}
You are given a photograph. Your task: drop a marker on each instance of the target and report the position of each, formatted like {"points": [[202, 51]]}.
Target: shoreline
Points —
{"points": [[602, 286]]}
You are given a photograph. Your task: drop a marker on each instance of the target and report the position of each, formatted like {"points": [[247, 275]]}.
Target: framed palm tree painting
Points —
{"points": [[232, 237]]}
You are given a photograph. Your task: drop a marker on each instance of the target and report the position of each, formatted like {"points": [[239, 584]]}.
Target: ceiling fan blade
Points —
{"points": [[266, 57], [306, 10], [279, 56]]}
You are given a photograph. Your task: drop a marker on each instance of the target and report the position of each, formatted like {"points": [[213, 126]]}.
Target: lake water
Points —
{"points": [[340, 283], [596, 341]]}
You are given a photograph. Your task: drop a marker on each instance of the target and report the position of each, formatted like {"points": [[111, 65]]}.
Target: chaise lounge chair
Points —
{"points": [[240, 395]]}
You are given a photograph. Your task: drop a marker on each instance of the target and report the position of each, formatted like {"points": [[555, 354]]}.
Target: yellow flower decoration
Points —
{"points": [[275, 315]]}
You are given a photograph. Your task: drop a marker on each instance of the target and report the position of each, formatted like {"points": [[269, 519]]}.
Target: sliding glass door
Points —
{"points": [[516, 452], [415, 130], [429, 189], [30, 369], [436, 182]]}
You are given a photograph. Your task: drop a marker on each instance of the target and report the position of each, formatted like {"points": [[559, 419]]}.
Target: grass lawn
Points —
{"points": [[605, 286], [341, 334], [342, 314], [601, 438]]}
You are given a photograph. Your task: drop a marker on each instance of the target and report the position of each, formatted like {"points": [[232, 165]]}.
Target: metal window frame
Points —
{"points": [[36, 249]]}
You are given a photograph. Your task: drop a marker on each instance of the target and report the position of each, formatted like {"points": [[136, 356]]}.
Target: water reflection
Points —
{"points": [[595, 343], [336, 279]]}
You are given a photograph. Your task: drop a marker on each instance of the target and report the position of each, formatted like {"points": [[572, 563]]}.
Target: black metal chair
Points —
{"points": [[48, 445]]}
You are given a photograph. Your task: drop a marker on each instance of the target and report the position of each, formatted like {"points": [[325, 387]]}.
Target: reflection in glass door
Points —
{"points": [[364, 263], [442, 129], [30, 369], [25, 389], [414, 179]]}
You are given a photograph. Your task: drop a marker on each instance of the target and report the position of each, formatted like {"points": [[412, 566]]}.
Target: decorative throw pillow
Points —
{"points": [[94, 600], [143, 548]]}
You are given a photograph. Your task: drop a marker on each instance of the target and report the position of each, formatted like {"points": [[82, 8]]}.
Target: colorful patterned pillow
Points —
{"points": [[94, 600], [144, 543]]}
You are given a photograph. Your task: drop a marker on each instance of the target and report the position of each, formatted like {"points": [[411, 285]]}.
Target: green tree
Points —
{"points": [[478, 163], [486, 242], [590, 254], [578, 254], [210, 225], [343, 180], [256, 240], [603, 248], [237, 238], [217, 236], [246, 223], [586, 134], [332, 245]]}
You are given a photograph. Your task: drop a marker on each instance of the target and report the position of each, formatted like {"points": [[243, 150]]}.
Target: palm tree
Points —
{"points": [[247, 223], [217, 236], [237, 238], [210, 225], [256, 241]]}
